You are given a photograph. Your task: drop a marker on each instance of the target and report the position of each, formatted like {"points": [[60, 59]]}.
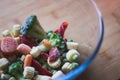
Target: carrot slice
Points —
{"points": [[46, 43], [28, 60], [23, 48], [8, 45]]}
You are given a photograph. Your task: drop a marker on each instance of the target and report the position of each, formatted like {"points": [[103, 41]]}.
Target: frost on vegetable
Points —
{"points": [[32, 28], [23, 48]]}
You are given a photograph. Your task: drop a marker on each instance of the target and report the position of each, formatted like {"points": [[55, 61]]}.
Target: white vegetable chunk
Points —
{"points": [[28, 72], [54, 64], [72, 55], [35, 52], [57, 74], [42, 77], [72, 45]]}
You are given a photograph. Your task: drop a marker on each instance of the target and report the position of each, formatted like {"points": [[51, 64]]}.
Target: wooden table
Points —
{"points": [[107, 64]]}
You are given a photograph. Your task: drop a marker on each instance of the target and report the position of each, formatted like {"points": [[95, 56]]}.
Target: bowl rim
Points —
{"points": [[74, 73]]}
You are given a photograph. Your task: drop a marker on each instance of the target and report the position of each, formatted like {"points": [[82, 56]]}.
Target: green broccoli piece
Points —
{"points": [[16, 70], [56, 40], [49, 34], [32, 28]]}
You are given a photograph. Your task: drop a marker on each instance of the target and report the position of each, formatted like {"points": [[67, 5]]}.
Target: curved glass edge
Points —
{"points": [[71, 75]]}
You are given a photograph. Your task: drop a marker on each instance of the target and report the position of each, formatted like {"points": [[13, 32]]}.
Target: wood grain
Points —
{"points": [[78, 13], [106, 65]]}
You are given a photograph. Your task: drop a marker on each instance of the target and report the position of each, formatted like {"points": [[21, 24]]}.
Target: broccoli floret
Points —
{"points": [[56, 40], [32, 28], [16, 70]]}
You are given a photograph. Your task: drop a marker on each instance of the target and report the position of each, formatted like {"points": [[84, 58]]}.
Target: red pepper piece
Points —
{"points": [[44, 55], [61, 29], [39, 68], [53, 54], [28, 41]]}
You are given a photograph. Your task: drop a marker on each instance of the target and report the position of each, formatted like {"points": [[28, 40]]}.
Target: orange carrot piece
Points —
{"points": [[23, 48], [28, 60], [46, 43]]}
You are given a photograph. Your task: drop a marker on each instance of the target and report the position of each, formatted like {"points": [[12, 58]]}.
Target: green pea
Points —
{"points": [[75, 57], [74, 65], [62, 46], [50, 31], [70, 40], [53, 71], [64, 55], [65, 60], [49, 68], [45, 66], [58, 40], [36, 73]]}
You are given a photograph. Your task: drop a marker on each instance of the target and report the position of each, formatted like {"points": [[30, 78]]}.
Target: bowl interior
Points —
{"points": [[80, 14]]}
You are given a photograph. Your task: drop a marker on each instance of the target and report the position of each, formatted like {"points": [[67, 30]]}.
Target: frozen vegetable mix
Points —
{"points": [[27, 52]]}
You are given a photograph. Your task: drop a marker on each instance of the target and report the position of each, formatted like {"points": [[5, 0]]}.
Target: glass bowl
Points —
{"points": [[85, 24], [87, 28]]}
